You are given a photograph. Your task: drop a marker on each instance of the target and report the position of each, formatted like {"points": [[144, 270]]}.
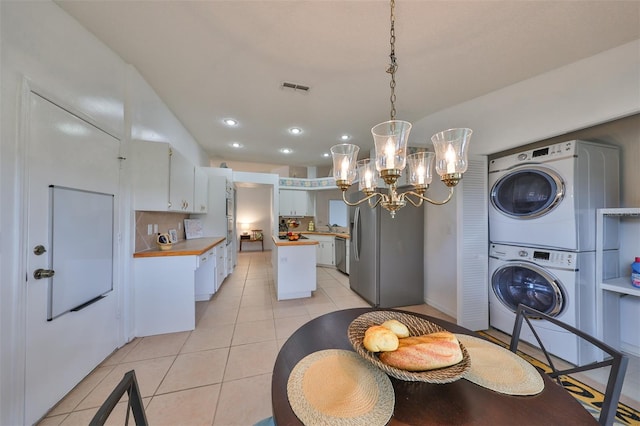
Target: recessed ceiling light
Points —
{"points": [[286, 150], [326, 154], [230, 122], [295, 130], [345, 137], [236, 145]]}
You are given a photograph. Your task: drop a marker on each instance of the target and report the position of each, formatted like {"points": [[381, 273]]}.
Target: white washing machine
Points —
{"points": [[558, 283], [547, 197]]}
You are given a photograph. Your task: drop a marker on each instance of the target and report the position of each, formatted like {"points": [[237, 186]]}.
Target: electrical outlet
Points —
{"points": [[155, 228], [179, 226], [149, 229]]}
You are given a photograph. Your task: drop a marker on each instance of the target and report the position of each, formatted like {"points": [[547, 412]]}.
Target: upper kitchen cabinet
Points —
{"points": [[296, 203], [181, 182], [163, 179], [201, 191]]}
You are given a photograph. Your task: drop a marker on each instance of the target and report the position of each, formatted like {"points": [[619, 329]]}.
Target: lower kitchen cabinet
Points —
{"points": [[205, 276], [164, 294], [325, 250], [221, 264]]}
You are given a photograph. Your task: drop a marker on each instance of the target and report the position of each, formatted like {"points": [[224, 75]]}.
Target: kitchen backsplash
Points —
{"points": [[163, 220], [319, 227]]}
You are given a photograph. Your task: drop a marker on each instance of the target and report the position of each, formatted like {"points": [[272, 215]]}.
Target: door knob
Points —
{"points": [[39, 274]]}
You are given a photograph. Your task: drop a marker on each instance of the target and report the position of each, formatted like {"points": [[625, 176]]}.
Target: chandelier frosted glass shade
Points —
{"points": [[345, 157], [367, 176], [420, 169], [451, 150], [391, 139]]}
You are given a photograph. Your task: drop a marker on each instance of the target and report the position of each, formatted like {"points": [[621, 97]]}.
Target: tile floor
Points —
{"points": [[220, 373]]}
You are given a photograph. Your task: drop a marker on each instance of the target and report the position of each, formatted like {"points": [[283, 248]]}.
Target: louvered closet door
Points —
{"points": [[472, 246]]}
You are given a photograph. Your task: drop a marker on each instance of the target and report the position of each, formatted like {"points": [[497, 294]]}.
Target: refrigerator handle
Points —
{"points": [[356, 234]]}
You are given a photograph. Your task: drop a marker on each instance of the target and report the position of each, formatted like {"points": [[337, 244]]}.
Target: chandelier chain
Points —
{"points": [[393, 66]]}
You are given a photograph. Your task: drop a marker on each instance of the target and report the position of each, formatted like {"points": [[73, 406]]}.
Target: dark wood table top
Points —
{"points": [[418, 403]]}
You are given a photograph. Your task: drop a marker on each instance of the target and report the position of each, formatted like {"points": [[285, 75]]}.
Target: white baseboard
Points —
{"points": [[440, 308]]}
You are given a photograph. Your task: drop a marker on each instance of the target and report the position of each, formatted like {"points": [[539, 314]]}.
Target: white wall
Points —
{"points": [[63, 61], [588, 92], [253, 205], [59, 58], [152, 120]]}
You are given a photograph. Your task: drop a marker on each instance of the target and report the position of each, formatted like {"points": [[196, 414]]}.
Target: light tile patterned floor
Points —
{"points": [[220, 373]]}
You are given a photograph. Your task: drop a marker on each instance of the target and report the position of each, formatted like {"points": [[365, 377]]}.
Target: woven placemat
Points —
{"points": [[417, 326], [493, 367], [337, 387]]}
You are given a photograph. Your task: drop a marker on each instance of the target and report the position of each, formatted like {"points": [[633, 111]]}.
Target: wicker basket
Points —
{"points": [[417, 326]]}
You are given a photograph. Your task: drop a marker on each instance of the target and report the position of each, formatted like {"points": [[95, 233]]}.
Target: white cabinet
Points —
{"points": [[617, 228], [163, 179], [200, 191], [181, 182], [221, 264], [296, 203], [205, 275], [294, 271], [325, 250], [164, 294]]}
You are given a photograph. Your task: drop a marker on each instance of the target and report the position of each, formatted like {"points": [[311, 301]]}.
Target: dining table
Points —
{"points": [[460, 402]]}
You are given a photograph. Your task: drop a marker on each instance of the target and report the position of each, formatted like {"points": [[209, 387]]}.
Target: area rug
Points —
{"points": [[589, 397]]}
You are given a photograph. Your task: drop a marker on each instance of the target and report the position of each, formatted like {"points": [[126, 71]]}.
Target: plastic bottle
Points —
{"points": [[635, 273]]}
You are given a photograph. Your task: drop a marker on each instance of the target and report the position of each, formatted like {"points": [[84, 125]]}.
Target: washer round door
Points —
{"points": [[527, 192], [519, 282]]}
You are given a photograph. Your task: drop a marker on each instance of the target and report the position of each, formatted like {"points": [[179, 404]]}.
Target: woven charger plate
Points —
{"points": [[417, 326], [337, 387], [500, 370]]}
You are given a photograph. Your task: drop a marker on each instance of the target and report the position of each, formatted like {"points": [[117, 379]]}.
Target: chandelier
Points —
{"points": [[391, 158]]}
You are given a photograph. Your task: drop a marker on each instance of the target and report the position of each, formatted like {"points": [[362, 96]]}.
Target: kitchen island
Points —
{"points": [[294, 267]]}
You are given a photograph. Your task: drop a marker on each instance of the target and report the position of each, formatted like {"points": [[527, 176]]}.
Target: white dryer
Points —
{"points": [[547, 197], [558, 283]]}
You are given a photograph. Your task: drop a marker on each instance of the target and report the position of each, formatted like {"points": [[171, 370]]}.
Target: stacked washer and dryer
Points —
{"points": [[542, 232]]}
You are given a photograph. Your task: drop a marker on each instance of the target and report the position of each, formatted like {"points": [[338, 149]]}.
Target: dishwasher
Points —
{"points": [[341, 254]]}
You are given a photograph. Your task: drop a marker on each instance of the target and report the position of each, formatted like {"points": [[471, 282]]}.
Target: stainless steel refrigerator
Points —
{"points": [[386, 255]]}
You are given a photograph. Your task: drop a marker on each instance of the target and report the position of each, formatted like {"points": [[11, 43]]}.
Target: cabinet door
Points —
{"points": [[286, 208], [181, 182], [295, 203], [299, 203], [200, 191], [150, 175]]}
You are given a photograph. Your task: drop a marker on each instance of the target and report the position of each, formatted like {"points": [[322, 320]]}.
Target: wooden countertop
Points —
{"points": [[328, 234], [279, 242], [194, 247]]}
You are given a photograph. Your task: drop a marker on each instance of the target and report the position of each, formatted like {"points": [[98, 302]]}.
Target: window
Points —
{"points": [[338, 213]]}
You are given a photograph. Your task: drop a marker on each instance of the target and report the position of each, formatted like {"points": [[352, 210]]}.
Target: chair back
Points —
{"points": [[614, 358], [128, 384]]}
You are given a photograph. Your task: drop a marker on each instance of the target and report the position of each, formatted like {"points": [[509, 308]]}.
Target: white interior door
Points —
{"points": [[63, 150]]}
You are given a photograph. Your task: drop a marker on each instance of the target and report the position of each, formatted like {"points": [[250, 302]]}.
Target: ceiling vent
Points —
{"points": [[295, 86]]}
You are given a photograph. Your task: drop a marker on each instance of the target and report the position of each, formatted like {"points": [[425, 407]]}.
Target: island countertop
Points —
{"points": [[194, 247], [278, 242], [321, 233]]}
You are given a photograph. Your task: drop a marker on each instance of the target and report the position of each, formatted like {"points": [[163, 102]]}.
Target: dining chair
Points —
{"points": [[128, 384], [615, 359]]}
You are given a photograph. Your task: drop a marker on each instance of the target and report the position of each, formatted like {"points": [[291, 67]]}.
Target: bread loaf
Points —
{"points": [[398, 328], [427, 352], [378, 338]]}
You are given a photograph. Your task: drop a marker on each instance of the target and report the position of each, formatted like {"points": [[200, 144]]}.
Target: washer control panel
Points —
{"points": [[537, 155], [534, 255]]}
